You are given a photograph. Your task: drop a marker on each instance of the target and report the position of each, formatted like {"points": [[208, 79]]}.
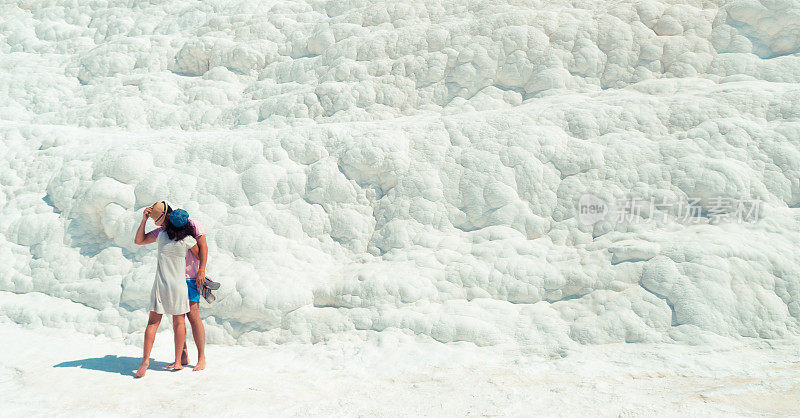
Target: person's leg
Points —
{"points": [[149, 338], [193, 297], [199, 334], [185, 352], [179, 328]]}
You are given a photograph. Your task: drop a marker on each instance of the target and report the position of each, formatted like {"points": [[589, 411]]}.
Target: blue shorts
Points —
{"points": [[194, 295]]}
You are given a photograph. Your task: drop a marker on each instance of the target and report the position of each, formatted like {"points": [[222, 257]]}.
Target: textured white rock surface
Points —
{"points": [[363, 167]]}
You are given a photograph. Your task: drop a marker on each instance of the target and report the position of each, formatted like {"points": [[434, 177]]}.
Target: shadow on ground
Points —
{"points": [[125, 366]]}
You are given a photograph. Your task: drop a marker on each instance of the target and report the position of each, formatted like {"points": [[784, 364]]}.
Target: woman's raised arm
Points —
{"points": [[142, 238]]}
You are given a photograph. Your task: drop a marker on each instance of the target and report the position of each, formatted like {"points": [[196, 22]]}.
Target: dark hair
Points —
{"points": [[174, 233]]}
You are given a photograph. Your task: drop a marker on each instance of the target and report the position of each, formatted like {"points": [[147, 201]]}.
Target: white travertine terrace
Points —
{"points": [[367, 165]]}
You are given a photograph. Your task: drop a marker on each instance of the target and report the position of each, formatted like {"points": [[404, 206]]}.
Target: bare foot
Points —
{"points": [[185, 357], [174, 366], [201, 364], [142, 369]]}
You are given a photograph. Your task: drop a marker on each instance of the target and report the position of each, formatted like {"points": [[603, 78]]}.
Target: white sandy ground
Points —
{"points": [[60, 372]]}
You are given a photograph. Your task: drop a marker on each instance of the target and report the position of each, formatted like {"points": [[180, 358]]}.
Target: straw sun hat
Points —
{"points": [[159, 212]]}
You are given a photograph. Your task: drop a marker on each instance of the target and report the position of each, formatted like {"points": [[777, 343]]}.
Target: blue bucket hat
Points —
{"points": [[178, 218]]}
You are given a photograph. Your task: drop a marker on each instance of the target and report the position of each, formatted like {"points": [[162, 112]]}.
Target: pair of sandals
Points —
{"points": [[208, 286]]}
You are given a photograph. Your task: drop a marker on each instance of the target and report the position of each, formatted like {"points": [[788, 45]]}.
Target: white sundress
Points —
{"points": [[170, 295]]}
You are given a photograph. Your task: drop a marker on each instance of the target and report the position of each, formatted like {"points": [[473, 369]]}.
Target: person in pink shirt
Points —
{"points": [[196, 259]]}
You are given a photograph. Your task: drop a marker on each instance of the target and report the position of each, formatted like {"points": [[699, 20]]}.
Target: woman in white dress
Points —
{"points": [[169, 295]]}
